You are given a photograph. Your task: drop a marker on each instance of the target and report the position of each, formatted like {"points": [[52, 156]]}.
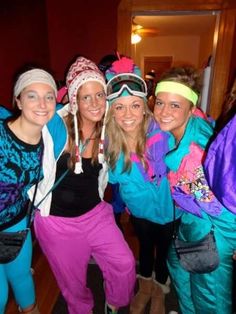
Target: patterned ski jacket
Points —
{"points": [[54, 139], [189, 186], [19, 170], [147, 193]]}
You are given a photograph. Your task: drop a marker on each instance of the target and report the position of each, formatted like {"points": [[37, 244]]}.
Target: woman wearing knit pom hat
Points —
{"points": [[77, 223], [136, 147], [21, 150], [177, 95]]}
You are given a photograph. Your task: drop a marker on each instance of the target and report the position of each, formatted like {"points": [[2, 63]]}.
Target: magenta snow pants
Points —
{"points": [[68, 244]]}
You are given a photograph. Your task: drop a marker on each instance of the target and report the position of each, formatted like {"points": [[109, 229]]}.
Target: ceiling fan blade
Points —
{"points": [[151, 32]]}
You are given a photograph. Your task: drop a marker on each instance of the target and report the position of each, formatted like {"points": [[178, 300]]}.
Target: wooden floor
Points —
{"points": [[46, 287]]}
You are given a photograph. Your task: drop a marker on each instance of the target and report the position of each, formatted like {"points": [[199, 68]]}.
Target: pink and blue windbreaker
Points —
{"points": [[147, 193]]}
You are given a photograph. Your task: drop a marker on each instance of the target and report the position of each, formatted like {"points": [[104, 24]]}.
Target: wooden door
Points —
{"points": [[158, 64]]}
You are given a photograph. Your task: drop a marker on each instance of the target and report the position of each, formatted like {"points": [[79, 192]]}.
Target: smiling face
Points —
{"points": [[37, 103], [172, 112], [128, 112], [91, 100]]}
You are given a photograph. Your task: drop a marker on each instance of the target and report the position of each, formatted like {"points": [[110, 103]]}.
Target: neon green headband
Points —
{"points": [[177, 88]]}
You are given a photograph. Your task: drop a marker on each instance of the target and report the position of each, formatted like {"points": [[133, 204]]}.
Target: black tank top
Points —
{"points": [[76, 194]]}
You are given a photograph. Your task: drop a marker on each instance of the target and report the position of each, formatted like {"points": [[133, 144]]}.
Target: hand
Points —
{"points": [[190, 203], [186, 201]]}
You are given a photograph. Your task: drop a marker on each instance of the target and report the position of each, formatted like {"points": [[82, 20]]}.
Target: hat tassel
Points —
{"points": [[101, 158], [78, 165]]}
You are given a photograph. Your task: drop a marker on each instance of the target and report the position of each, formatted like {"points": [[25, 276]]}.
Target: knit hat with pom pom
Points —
{"points": [[82, 71]]}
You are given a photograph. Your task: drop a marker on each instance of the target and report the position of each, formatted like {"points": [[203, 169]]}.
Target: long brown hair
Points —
{"points": [[69, 120]]}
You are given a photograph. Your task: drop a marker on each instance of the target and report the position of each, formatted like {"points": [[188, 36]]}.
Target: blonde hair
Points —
{"points": [[117, 140]]}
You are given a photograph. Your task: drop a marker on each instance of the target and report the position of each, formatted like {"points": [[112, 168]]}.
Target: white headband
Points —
{"points": [[34, 76]]}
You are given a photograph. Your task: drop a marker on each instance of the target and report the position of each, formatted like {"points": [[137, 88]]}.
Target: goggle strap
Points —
{"points": [[132, 92]]}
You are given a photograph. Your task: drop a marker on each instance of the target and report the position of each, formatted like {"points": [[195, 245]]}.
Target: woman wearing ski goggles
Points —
{"points": [[132, 83], [135, 153]]}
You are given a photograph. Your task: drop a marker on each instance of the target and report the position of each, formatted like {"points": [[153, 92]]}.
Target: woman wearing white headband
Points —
{"points": [[21, 149], [175, 109]]}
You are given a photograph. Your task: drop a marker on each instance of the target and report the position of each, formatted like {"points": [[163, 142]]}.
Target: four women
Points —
{"points": [[158, 167]]}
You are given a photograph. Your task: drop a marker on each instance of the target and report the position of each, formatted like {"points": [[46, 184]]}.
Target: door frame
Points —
{"points": [[223, 41]]}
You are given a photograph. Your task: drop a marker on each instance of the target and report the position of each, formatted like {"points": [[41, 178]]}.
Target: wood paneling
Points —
{"points": [[221, 71]]}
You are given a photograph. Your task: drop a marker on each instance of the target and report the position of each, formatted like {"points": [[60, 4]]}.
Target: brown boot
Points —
{"points": [[141, 299], [158, 298]]}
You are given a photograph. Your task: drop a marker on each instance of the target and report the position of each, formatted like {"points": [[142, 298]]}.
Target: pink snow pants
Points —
{"points": [[68, 244]]}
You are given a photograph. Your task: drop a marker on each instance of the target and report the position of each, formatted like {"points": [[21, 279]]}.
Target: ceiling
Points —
{"points": [[178, 25]]}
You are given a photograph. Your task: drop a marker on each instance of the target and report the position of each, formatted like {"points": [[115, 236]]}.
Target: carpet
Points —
{"points": [[95, 283]]}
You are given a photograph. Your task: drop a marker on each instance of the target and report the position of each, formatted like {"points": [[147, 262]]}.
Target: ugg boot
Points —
{"points": [[158, 297], [141, 299]]}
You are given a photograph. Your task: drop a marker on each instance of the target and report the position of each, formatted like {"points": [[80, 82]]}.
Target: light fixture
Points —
{"points": [[139, 32], [135, 38]]}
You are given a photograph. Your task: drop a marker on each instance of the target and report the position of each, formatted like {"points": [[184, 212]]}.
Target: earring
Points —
{"points": [[144, 113]]}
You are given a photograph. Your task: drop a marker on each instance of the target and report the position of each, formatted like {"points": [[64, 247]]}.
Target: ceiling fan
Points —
{"points": [[138, 31]]}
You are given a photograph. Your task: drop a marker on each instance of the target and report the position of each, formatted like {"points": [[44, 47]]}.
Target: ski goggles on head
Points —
{"points": [[129, 82]]}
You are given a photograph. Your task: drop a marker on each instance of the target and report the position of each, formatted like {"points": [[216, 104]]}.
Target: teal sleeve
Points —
{"points": [[4, 113], [58, 131]]}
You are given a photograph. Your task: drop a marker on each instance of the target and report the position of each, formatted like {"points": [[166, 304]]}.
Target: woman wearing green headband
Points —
{"points": [[175, 110]]}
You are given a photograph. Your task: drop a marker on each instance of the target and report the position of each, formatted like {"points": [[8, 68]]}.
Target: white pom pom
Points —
{"points": [[100, 158], [78, 167]]}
